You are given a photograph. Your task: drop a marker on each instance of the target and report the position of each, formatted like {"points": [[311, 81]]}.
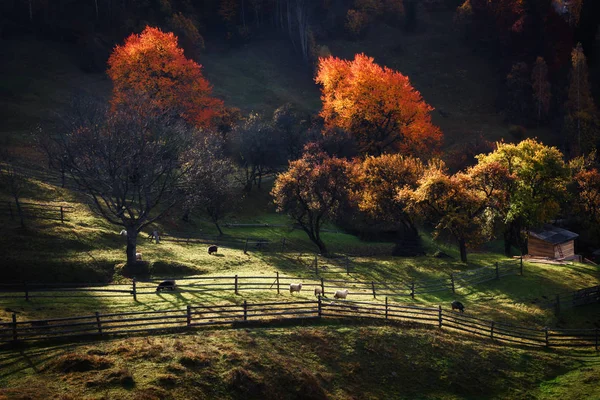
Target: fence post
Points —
{"points": [[245, 311], [373, 286], [282, 245], [319, 307], [452, 283], [10, 210], [26, 291], [62, 215], [14, 324], [134, 292], [322, 287], [236, 286], [547, 341], [98, 323], [386, 307], [189, 315], [521, 266], [492, 331], [412, 290], [557, 309], [347, 266], [246, 246], [277, 279], [316, 264], [440, 315], [497, 271]]}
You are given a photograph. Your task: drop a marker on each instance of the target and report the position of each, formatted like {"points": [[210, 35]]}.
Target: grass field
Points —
{"points": [[327, 359]]}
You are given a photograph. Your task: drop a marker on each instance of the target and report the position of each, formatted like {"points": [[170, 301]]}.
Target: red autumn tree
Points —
{"points": [[152, 67], [377, 105]]}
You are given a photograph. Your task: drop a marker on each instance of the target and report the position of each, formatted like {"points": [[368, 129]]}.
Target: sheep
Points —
{"points": [[138, 256], [168, 284], [457, 305], [212, 249], [123, 233], [341, 294], [295, 287], [319, 291]]}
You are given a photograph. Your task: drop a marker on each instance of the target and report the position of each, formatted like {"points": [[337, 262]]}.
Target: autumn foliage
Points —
{"points": [[378, 106], [312, 190], [151, 66]]}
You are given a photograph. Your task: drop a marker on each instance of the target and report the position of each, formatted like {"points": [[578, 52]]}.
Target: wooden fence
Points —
{"points": [[98, 325], [36, 211], [572, 299], [277, 282]]}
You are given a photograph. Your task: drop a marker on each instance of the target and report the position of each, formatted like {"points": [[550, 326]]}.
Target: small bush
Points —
{"points": [[79, 363], [171, 268], [192, 360], [167, 381]]}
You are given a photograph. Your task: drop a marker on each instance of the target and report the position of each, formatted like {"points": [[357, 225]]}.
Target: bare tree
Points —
{"points": [[12, 181], [126, 161], [257, 149], [210, 185]]}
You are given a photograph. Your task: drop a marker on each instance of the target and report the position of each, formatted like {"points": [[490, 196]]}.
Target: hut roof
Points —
{"points": [[553, 234]]}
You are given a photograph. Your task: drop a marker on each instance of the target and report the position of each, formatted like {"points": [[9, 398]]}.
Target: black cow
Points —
{"points": [[169, 284], [212, 249], [457, 305]]}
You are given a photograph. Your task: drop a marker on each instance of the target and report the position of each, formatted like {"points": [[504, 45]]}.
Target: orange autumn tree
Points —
{"points": [[151, 66], [378, 106]]}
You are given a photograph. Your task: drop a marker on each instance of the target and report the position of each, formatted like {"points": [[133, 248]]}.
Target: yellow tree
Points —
{"points": [[378, 179], [537, 185], [541, 87], [581, 121], [458, 204], [378, 106]]}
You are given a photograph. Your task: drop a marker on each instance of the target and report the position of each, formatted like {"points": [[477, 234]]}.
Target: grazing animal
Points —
{"points": [[123, 233], [295, 287], [138, 256], [169, 284], [319, 291], [341, 294], [212, 249], [457, 305]]}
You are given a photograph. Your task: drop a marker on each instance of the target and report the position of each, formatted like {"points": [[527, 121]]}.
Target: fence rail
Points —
{"points": [[99, 325], [36, 211], [572, 299], [236, 284]]}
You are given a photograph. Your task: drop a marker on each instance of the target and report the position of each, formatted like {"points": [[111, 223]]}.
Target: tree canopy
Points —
{"points": [[151, 66], [378, 106]]}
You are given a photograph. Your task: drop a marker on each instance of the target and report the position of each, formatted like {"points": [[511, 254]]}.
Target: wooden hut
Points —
{"points": [[552, 242]]}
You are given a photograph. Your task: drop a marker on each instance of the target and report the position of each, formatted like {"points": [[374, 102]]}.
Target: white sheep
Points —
{"points": [[138, 256], [123, 233], [295, 287], [341, 294], [319, 291]]}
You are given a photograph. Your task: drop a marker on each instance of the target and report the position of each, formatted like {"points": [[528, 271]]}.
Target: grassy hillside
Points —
{"points": [[325, 360], [310, 362]]}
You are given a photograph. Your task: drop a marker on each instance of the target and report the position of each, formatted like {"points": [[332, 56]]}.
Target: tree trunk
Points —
{"points": [[218, 228], [463, 250], [322, 247], [20, 211], [131, 245], [507, 242]]}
